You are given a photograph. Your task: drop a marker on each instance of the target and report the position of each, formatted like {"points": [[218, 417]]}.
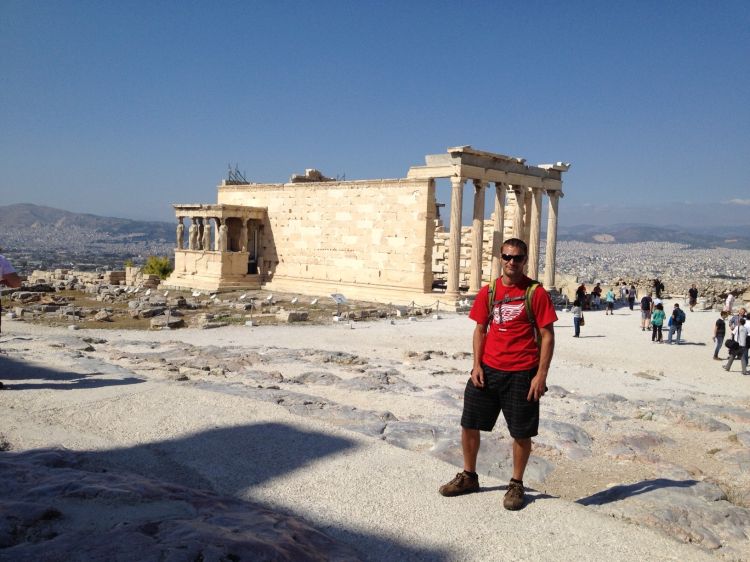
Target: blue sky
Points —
{"points": [[123, 108]]}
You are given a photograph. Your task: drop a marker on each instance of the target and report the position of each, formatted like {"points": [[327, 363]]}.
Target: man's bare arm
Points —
{"points": [[477, 374], [539, 382]]}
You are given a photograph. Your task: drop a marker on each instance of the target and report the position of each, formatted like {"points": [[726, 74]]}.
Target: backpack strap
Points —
{"points": [[530, 312], [491, 302]]}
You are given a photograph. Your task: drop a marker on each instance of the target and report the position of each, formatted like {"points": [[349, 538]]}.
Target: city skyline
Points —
{"points": [[123, 109]]}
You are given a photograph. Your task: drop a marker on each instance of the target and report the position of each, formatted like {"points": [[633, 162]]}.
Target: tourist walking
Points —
{"points": [[610, 298], [577, 317], [658, 288], [729, 303], [739, 334], [720, 330], [646, 308], [632, 294], [692, 296], [581, 294], [675, 323], [657, 320], [596, 297], [624, 292], [513, 341], [734, 321]]}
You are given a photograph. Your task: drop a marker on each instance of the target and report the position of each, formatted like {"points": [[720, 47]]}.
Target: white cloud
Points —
{"points": [[745, 202]]}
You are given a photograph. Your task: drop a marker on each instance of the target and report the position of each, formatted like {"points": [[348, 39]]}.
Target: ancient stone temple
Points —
{"points": [[368, 239]]}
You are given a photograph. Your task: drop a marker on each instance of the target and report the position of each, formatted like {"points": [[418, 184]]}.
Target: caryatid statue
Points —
{"points": [[206, 235], [193, 236], [180, 234], [223, 238]]}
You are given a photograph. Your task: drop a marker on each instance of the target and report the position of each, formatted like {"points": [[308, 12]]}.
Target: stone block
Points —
{"points": [[290, 316], [167, 322]]}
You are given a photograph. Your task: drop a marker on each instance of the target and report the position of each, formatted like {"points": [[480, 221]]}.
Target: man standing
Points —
{"points": [[675, 323], [692, 296], [720, 330], [513, 343], [646, 309]]}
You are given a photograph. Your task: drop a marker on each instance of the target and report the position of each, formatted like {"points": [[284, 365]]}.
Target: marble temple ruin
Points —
{"points": [[368, 239]]}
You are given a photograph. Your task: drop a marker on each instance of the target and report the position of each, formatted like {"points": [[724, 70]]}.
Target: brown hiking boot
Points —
{"points": [[514, 496], [461, 484]]}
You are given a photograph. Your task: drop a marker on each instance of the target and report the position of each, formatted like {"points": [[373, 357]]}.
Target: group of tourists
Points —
{"points": [[593, 301], [737, 343], [653, 318]]}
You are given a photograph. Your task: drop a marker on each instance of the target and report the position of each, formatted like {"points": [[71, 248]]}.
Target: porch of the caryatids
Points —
{"points": [[454, 240], [477, 237]]}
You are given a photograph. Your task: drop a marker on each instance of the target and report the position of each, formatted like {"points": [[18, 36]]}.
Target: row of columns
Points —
{"points": [[526, 225], [199, 234]]}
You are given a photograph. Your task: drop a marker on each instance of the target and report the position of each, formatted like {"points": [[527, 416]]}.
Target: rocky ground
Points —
{"points": [[652, 435]]}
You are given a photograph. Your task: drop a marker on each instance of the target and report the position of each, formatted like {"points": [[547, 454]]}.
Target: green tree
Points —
{"points": [[158, 265], [129, 263]]}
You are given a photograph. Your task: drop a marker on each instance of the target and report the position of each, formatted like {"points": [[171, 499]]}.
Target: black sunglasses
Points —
{"points": [[514, 259]]}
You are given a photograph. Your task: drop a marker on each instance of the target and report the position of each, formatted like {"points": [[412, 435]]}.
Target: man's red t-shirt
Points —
{"points": [[510, 344]]}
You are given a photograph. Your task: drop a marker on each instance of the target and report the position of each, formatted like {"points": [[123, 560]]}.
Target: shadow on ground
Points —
{"points": [[212, 469], [618, 493], [13, 370]]}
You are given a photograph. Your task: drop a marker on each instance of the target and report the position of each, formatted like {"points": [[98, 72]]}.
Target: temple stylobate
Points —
{"points": [[512, 177]]}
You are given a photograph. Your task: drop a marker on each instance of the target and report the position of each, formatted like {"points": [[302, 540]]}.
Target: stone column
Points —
{"points": [[497, 232], [259, 247], [520, 212], [534, 233], [206, 242], [477, 237], [454, 242], [526, 215], [551, 248]]}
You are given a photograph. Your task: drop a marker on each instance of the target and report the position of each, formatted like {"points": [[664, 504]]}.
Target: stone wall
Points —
{"points": [[350, 236]]}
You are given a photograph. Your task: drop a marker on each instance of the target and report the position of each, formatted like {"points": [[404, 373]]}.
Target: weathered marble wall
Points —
{"points": [[371, 234]]}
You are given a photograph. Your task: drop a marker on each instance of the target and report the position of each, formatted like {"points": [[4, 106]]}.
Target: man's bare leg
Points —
{"points": [[521, 453], [470, 440]]}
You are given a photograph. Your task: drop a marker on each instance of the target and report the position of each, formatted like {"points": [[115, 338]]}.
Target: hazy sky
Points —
{"points": [[123, 108]]}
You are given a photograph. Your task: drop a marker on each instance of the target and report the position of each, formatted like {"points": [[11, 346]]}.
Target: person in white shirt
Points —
{"points": [[729, 303], [739, 334]]}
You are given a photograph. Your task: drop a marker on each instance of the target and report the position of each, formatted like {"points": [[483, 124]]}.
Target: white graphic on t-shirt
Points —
{"points": [[505, 312]]}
